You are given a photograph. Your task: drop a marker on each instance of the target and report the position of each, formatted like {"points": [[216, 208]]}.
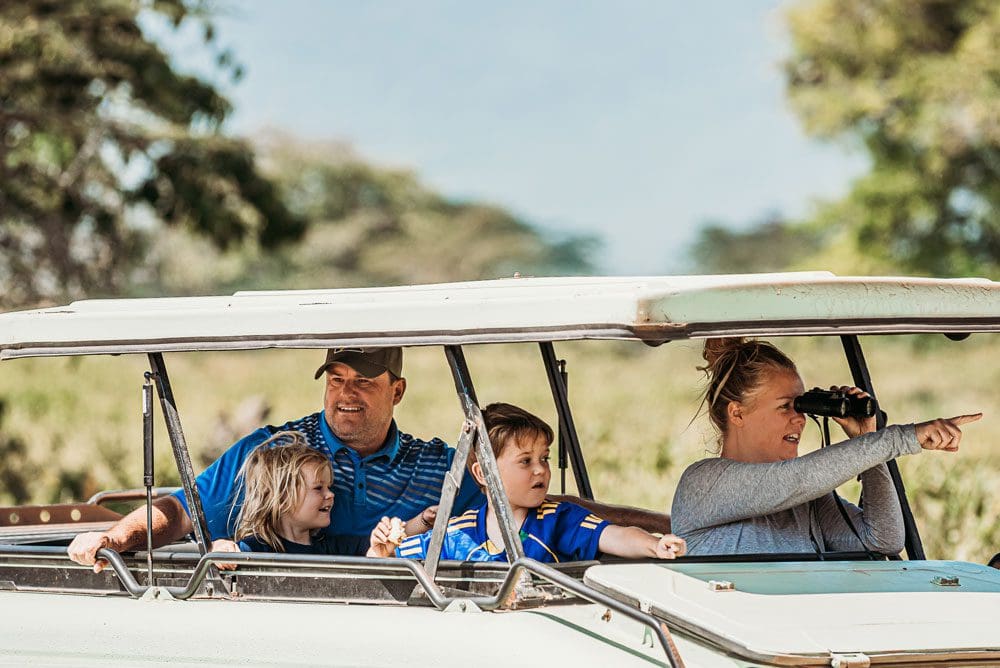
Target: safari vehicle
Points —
{"points": [[173, 605]]}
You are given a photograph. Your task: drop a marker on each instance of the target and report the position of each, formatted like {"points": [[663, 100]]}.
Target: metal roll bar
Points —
{"points": [[568, 439], [112, 495], [862, 378]]}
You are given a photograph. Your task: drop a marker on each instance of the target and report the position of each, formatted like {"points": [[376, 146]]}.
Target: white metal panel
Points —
{"points": [[59, 629], [923, 624]]}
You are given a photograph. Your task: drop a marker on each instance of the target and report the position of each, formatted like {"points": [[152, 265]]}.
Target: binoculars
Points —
{"points": [[833, 403]]}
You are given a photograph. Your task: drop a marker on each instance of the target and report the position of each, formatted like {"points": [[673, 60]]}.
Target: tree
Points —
{"points": [[393, 229], [99, 135], [917, 82], [369, 225], [772, 244]]}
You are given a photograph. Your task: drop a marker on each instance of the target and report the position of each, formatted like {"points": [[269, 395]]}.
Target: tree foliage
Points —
{"points": [[918, 83], [397, 230], [369, 225], [771, 244], [99, 135]]}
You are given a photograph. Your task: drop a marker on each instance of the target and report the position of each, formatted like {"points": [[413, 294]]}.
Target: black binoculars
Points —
{"points": [[834, 403]]}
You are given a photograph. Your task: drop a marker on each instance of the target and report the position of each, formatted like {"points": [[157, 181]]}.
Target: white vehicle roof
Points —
{"points": [[653, 309]]}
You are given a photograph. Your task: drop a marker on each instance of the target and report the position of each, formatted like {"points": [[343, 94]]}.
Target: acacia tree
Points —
{"points": [[918, 83], [99, 135]]}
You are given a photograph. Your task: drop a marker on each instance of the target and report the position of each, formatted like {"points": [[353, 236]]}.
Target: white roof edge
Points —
{"points": [[649, 308]]}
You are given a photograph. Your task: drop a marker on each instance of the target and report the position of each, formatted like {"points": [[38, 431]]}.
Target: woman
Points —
{"points": [[759, 496]]}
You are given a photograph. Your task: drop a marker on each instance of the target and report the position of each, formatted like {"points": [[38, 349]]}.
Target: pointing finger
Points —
{"points": [[965, 419]]}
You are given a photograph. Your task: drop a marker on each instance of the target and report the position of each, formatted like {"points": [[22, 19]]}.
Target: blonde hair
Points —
{"points": [[273, 476], [505, 423], [736, 370]]}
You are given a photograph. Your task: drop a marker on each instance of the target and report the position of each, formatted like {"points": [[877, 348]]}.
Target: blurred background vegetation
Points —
{"points": [[117, 179]]}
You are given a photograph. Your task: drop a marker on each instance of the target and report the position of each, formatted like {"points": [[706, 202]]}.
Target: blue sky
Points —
{"points": [[634, 121]]}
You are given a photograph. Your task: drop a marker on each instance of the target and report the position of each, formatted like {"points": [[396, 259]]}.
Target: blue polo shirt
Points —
{"points": [[553, 532], [399, 480]]}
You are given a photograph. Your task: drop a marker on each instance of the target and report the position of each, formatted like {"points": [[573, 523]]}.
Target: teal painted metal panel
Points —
{"points": [[846, 577]]}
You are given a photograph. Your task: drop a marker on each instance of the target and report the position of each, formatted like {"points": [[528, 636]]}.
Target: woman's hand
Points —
{"points": [[854, 426], [943, 433], [225, 545]]}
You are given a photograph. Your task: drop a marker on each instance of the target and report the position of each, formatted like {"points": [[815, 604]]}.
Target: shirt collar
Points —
{"points": [[389, 449]]}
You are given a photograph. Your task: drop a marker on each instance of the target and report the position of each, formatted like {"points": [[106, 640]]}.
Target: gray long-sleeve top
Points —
{"points": [[722, 506]]}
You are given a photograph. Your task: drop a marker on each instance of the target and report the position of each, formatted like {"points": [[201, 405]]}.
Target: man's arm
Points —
{"points": [[170, 522], [622, 515]]}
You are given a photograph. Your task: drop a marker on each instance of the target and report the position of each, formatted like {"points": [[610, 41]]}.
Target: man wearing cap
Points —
{"points": [[377, 469]]}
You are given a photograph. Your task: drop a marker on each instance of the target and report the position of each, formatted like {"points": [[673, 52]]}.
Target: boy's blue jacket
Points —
{"points": [[552, 532]]}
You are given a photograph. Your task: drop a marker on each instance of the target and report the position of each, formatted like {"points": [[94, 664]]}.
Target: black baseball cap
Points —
{"points": [[369, 362]]}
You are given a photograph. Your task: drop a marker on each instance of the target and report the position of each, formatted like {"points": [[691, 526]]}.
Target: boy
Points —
{"points": [[550, 531]]}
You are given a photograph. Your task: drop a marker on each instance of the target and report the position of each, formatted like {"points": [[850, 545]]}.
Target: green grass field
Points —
{"points": [[73, 426]]}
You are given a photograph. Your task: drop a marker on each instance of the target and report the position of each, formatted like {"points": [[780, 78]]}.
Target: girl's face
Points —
{"points": [[524, 470], [767, 428], [313, 509]]}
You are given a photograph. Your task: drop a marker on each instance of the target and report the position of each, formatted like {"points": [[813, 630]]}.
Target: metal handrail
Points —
{"points": [[434, 593], [585, 591], [128, 494]]}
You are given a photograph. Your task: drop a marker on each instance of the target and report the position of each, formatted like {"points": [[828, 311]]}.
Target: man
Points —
{"points": [[378, 470]]}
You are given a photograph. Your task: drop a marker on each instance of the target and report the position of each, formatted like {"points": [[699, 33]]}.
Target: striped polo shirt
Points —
{"points": [[399, 480]]}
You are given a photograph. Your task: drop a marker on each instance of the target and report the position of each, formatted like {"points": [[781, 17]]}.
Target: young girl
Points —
{"points": [[551, 531], [288, 497]]}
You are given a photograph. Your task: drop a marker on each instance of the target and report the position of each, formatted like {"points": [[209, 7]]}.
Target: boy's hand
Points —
{"points": [[670, 546], [224, 545], [385, 537]]}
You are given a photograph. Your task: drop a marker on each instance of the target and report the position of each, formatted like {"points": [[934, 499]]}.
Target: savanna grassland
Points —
{"points": [[71, 426]]}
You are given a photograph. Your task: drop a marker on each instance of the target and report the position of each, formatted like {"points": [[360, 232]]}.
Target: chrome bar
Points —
{"points": [[147, 467], [113, 495], [484, 454], [589, 593], [452, 483], [181, 454], [494, 489]]}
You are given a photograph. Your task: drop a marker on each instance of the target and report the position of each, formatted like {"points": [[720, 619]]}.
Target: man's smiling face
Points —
{"points": [[359, 409]]}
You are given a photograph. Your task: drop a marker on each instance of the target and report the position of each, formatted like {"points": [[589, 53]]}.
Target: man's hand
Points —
{"points": [[943, 433], [83, 549]]}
